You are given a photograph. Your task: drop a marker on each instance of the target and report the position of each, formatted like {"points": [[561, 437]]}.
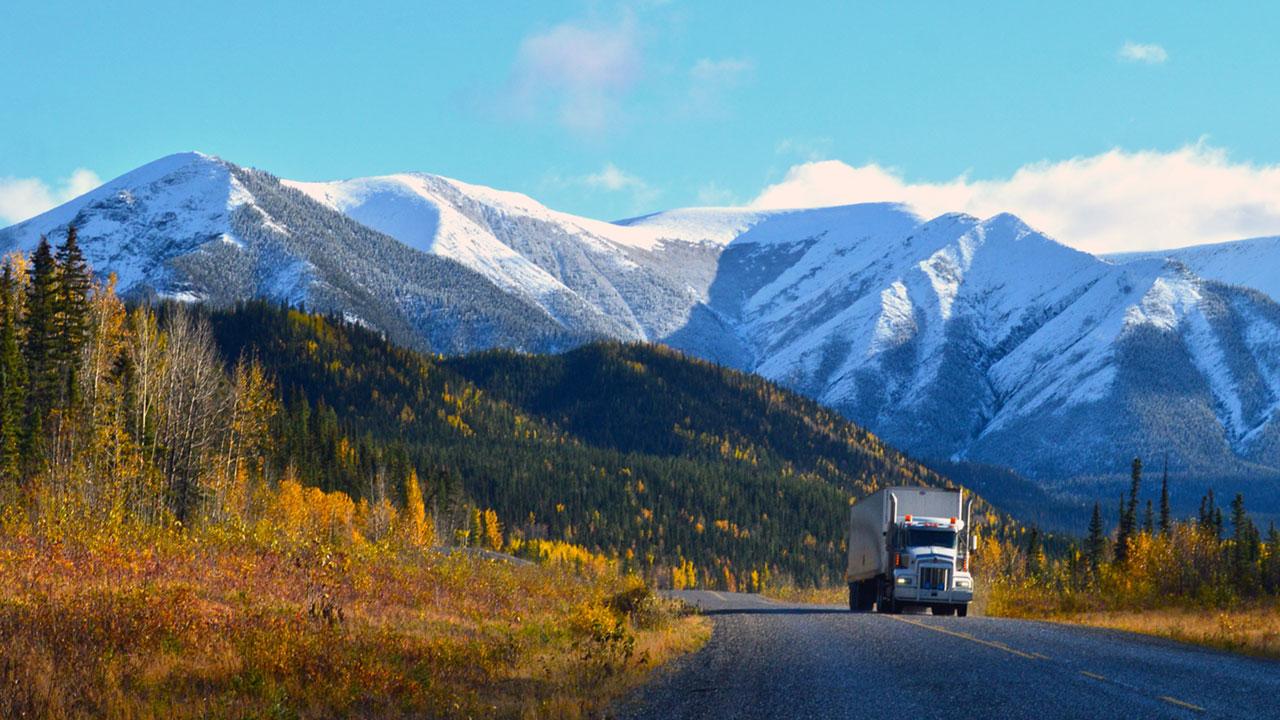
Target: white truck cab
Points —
{"points": [[911, 547]]}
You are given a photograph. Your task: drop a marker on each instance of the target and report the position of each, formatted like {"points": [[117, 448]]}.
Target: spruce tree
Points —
{"points": [[1135, 487], [1246, 546], [1166, 519], [13, 379], [1122, 534], [39, 351], [1097, 542], [1034, 565], [1210, 515], [1271, 567], [71, 313], [1149, 520], [1129, 513]]}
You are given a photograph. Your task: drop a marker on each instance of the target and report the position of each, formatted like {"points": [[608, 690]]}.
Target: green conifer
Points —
{"points": [[1166, 515], [39, 351], [71, 316], [13, 379], [1097, 542]]}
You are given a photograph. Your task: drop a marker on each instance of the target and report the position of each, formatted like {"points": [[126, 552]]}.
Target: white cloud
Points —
{"points": [[1111, 202], [1148, 53], [612, 178], [22, 198], [580, 70], [631, 191]]}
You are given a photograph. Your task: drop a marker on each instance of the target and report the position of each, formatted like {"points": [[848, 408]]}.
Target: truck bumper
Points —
{"points": [[916, 595]]}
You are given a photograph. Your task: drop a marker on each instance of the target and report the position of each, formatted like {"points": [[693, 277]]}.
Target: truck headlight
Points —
{"points": [[905, 580], [964, 583]]}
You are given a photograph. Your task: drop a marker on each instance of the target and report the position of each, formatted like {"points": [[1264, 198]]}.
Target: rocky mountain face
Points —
{"points": [[954, 337]]}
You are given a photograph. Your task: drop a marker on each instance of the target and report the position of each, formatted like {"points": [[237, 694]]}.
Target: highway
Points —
{"points": [[768, 659]]}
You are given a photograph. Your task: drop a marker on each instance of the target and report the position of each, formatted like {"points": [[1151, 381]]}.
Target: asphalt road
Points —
{"points": [[768, 659]]}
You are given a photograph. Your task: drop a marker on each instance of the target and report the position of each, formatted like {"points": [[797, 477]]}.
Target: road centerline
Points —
{"points": [[1039, 656], [970, 638], [1181, 703]]}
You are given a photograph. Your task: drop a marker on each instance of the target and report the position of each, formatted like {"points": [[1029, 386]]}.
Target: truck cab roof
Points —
{"points": [[914, 521]]}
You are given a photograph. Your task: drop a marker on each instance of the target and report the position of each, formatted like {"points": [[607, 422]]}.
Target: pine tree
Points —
{"points": [[1246, 546], [1271, 566], [1149, 520], [1122, 543], [1034, 556], [1166, 520], [38, 352], [1135, 487], [1129, 514], [1097, 542], [71, 316], [13, 379]]}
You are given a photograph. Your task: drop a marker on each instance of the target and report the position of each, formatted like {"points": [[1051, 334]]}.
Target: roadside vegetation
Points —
{"points": [[268, 620], [1213, 579], [156, 561]]}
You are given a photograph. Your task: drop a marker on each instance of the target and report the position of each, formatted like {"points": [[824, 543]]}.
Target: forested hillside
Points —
{"points": [[685, 470], [689, 473], [156, 561]]}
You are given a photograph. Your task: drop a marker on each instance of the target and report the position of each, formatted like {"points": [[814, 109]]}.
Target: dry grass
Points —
{"points": [[161, 624], [813, 596], [1249, 630]]}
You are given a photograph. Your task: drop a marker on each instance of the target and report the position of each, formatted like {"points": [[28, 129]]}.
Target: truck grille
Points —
{"points": [[934, 578]]}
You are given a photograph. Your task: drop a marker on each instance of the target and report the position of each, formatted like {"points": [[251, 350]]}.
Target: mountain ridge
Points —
{"points": [[956, 338]]}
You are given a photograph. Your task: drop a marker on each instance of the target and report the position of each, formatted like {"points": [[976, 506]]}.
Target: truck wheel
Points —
{"points": [[884, 604], [962, 610], [867, 595], [855, 597]]}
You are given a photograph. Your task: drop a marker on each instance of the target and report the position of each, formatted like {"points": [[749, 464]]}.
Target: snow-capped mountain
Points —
{"points": [[1252, 263], [952, 337], [194, 227]]}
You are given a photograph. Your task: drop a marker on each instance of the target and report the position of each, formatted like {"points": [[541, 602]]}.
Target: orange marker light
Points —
{"points": [[908, 518]]}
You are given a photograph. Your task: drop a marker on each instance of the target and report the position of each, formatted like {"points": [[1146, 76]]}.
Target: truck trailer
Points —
{"points": [[910, 547]]}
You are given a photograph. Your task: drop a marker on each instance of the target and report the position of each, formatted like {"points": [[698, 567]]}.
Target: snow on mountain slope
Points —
{"points": [[194, 227], [960, 338], [952, 337], [1253, 263], [404, 207], [595, 276], [162, 210]]}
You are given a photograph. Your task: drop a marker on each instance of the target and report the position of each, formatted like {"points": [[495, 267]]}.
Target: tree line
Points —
{"points": [[1149, 558], [115, 408], [114, 415]]}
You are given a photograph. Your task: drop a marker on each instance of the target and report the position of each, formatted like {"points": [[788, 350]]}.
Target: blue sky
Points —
{"points": [[613, 109]]}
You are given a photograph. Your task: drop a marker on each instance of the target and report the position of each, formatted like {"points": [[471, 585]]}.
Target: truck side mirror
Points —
{"points": [[973, 543]]}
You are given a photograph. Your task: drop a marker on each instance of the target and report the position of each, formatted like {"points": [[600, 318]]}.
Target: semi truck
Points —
{"points": [[910, 547]]}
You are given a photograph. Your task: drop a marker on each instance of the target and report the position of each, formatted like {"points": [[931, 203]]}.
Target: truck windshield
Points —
{"points": [[921, 537]]}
